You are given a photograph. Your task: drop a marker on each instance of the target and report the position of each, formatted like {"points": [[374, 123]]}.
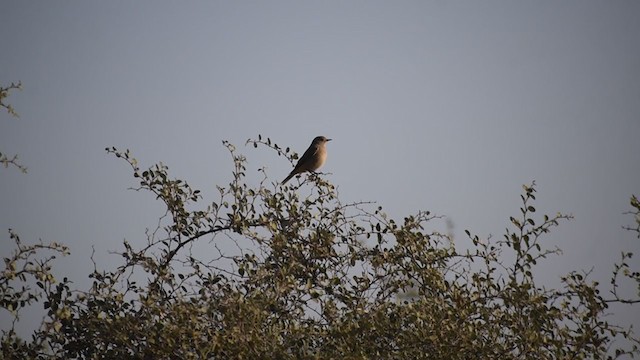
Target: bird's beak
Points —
{"points": [[329, 139]]}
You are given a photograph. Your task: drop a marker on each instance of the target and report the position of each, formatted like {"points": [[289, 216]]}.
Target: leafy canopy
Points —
{"points": [[292, 272]]}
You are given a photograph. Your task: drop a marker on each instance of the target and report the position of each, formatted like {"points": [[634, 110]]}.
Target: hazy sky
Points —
{"points": [[432, 105]]}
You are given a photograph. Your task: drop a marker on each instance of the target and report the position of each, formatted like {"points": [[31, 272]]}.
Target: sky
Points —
{"points": [[442, 106]]}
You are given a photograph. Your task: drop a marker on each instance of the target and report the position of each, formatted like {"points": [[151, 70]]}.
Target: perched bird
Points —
{"points": [[312, 159]]}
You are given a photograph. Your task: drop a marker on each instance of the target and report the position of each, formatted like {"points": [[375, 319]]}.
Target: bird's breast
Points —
{"points": [[320, 159]]}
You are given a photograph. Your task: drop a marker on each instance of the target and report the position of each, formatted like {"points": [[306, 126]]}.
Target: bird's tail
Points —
{"points": [[292, 174]]}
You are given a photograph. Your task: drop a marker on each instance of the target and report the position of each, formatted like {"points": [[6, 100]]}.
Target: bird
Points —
{"points": [[312, 159]]}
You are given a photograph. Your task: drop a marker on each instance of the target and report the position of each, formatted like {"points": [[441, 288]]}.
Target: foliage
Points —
{"points": [[4, 159], [4, 93], [27, 265], [293, 273]]}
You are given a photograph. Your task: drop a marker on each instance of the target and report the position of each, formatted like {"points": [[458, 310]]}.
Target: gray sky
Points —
{"points": [[441, 106]]}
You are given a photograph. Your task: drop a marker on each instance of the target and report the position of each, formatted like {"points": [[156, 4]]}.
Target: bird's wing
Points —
{"points": [[306, 157]]}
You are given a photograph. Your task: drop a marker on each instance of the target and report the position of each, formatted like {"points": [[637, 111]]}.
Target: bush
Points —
{"points": [[293, 273]]}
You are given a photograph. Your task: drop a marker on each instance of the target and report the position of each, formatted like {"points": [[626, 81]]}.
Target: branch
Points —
{"points": [[4, 92], [6, 161]]}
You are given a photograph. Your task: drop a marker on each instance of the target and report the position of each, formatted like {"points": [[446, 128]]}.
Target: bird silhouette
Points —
{"points": [[312, 159]]}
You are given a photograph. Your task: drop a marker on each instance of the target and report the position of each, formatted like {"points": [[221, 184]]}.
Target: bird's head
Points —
{"points": [[320, 140]]}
